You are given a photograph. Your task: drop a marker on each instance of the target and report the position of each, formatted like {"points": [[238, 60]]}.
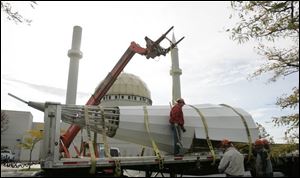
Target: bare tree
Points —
{"points": [[263, 133], [13, 14]]}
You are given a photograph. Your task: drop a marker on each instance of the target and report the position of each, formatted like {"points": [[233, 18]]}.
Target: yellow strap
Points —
{"points": [[91, 147], [247, 129], [155, 148], [95, 144], [118, 171], [211, 148], [106, 146]]}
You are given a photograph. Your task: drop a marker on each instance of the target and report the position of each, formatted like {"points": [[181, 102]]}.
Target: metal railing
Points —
{"points": [[100, 119]]}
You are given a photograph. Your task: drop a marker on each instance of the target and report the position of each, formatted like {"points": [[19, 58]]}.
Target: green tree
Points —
{"points": [[29, 142], [14, 15], [271, 22]]}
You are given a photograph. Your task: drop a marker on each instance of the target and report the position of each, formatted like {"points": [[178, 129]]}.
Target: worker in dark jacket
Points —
{"points": [[266, 145], [263, 164], [177, 124]]}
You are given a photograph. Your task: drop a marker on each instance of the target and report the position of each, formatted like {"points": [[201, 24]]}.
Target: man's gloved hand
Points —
{"points": [[183, 129]]}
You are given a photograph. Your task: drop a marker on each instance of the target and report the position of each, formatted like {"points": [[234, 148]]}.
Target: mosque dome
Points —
{"points": [[127, 90]]}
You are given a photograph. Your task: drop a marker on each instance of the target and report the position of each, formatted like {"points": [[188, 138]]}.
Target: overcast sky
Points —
{"points": [[34, 61]]}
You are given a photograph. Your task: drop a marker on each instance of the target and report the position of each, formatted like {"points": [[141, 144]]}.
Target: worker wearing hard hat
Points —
{"points": [[266, 144], [177, 124], [263, 164], [232, 162]]}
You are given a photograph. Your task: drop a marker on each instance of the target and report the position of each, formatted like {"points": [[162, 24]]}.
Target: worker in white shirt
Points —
{"points": [[232, 162]]}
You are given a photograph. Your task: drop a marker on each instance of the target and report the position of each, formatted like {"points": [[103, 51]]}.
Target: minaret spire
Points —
{"points": [[175, 72], [174, 40]]}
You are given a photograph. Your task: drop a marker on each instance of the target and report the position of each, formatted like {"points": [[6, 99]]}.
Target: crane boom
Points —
{"points": [[115, 72], [152, 50]]}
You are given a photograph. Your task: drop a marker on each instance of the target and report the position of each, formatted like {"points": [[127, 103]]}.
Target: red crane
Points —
{"points": [[152, 50]]}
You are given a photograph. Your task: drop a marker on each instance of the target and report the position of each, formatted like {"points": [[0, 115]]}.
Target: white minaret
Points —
{"points": [[175, 72], [75, 54]]}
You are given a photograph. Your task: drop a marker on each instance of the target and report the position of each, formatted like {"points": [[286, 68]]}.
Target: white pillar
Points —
{"points": [[175, 72], [75, 54]]}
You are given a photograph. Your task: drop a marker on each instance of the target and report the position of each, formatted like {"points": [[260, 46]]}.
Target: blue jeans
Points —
{"points": [[177, 138]]}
